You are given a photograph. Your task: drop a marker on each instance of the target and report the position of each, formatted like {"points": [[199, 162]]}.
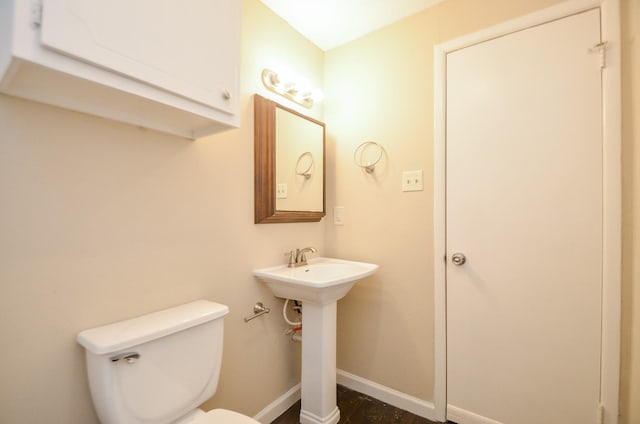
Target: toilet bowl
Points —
{"points": [[158, 368], [218, 416]]}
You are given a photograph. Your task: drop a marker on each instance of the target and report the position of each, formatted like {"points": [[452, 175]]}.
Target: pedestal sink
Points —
{"points": [[318, 285]]}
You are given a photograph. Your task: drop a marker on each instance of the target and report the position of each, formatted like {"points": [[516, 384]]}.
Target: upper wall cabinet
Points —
{"points": [[167, 65]]}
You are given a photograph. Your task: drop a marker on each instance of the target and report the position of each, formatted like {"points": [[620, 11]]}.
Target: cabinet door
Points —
{"points": [[187, 48]]}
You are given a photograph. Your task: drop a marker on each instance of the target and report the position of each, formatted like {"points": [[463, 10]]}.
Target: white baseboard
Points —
{"points": [[460, 415], [385, 394], [388, 395], [279, 406]]}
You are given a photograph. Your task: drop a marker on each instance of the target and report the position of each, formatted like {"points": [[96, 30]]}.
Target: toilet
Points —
{"points": [[158, 368]]}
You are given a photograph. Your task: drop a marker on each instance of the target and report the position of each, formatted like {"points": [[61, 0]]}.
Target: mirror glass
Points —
{"points": [[289, 164], [299, 173]]}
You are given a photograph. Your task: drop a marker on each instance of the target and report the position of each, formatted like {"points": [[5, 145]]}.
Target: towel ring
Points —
{"points": [[307, 172], [369, 167]]}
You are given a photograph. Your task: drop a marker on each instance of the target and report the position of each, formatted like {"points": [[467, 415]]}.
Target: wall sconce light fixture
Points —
{"points": [[292, 90]]}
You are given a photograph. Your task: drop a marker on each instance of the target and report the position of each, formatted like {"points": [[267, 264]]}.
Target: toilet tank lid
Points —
{"points": [[125, 334]]}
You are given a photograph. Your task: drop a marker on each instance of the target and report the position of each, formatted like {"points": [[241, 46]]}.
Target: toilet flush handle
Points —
{"points": [[130, 357]]}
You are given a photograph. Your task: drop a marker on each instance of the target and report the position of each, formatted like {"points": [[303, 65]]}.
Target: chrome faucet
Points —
{"points": [[298, 257]]}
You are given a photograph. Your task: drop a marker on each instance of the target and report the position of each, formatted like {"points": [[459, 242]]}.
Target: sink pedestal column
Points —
{"points": [[319, 402]]}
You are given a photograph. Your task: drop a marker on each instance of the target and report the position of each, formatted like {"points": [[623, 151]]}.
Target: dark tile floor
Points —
{"points": [[356, 408]]}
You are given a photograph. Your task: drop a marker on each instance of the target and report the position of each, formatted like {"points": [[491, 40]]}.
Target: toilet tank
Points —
{"points": [[155, 368]]}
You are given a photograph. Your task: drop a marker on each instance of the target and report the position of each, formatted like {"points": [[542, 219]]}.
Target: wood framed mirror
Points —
{"points": [[289, 164]]}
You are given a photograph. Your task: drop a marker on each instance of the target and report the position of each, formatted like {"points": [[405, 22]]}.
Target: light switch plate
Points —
{"points": [[412, 180], [281, 191], [338, 215]]}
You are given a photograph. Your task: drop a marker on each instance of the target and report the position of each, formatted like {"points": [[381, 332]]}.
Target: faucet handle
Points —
{"points": [[291, 262], [301, 255]]}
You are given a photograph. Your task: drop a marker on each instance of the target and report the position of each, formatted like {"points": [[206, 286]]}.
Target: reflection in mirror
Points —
{"points": [[289, 164], [298, 181]]}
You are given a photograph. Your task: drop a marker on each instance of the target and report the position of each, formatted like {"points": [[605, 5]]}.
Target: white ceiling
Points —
{"points": [[330, 23]]}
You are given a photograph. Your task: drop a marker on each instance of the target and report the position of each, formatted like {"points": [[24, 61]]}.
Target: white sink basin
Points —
{"points": [[319, 285], [321, 281]]}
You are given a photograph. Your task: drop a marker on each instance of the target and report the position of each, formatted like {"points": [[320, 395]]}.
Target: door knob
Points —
{"points": [[458, 259]]}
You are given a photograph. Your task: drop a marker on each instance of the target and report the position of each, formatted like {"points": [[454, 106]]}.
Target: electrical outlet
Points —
{"points": [[281, 191], [412, 181]]}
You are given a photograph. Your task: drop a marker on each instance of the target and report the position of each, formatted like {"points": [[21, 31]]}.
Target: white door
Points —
{"points": [[524, 206]]}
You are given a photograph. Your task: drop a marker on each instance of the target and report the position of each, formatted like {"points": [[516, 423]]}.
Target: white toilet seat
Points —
{"points": [[224, 416]]}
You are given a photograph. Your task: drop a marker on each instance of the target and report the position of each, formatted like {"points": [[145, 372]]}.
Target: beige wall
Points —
{"points": [[102, 221], [380, 88]]}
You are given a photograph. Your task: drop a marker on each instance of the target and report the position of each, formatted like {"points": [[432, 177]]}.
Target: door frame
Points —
{"points": [[612, 198]]}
